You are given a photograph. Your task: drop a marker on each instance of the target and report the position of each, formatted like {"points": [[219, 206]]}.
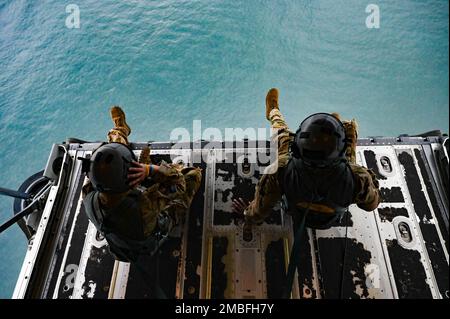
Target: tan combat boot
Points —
{"points": [[118, 117], [271, 101]]}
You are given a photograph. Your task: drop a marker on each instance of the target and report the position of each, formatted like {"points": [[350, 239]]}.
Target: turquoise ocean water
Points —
{"points": [[169, 62]]}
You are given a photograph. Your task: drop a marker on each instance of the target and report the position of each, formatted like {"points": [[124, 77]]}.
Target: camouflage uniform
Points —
{"points": [[268, 191], [171, 192]]}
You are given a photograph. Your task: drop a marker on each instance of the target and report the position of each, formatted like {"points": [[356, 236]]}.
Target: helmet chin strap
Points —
{"points": [[85, 163]]}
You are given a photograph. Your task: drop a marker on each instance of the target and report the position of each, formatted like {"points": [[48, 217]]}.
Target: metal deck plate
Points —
{"points": [[400, 250]]}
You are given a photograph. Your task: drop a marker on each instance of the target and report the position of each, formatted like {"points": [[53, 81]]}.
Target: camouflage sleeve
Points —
{"points": [[267, 194], [367, 193], [169, 174]]}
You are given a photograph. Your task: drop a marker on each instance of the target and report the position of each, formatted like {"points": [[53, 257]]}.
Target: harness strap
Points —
{"points": [[294, 258], [341, 292]]}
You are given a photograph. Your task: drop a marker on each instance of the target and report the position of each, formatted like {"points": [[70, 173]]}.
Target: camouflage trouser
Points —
{"points": [[267, 192], [172, 193], [118, 135]]}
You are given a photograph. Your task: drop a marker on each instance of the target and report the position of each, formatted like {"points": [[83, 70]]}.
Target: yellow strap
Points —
{"points": [[316, 207]]}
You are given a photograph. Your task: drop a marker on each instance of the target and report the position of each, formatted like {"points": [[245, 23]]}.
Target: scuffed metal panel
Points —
{"points": [[354, 277], [64, 270], [438, 207], [392, 195], [219, 264], [389, 213], [308, 268], [438, 162], [119, 280], [365, 273], [275, 268], [372, 162], [98, 270], [388, 210], [30, 258], [95, 268], [74, 248], [398, 251], [409, 272], [432, 238], [225, 182], [97, 274]]}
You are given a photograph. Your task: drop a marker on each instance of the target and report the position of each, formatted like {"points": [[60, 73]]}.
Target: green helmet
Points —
{"points": [[108, 168]]}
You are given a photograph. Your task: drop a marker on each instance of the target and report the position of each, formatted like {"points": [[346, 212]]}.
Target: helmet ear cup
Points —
{"points": [[344, 148], [295, 150]]}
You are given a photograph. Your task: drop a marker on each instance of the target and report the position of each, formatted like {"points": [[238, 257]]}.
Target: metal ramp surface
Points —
{"points": [[400, 250]]}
